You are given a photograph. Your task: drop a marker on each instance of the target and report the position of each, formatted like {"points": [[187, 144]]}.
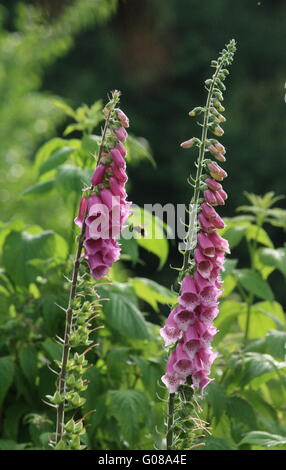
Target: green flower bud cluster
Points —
{"points": [[84, 313]]}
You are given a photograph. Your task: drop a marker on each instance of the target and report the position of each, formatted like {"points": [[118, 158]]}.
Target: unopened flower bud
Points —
{"points": [[218, 131], [187, 144], [216, 171]]}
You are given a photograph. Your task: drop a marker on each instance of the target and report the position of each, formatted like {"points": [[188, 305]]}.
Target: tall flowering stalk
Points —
{"points": [[189, 328], [102, 214]]}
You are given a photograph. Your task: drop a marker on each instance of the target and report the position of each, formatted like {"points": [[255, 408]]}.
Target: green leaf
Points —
{"points": [[6, 376], [22, 247], [47, 149], [151, 371], [11, 445], [55, 159], [241, 411], [256, 368], [38, 189], [116, 360], [229, 311], [216, 397], [153, 239], [235, 234], [90, 144], [275, 344], [53, 349], [29, 363], [263, 439], [129, 247], [152, 292], [253, 282], [229, 283], [264, 316], [138, 149], [130, 408], [254, 232], [65, 107], [276, 258], [216, 443], [70, 178], [122, 314], [13, 415]]}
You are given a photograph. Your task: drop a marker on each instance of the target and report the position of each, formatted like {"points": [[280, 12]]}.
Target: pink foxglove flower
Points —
{"points": [[189, 328], [106, 211]]}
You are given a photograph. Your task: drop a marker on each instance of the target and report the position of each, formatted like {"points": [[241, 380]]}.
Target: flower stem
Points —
{"points": [[69, 311], [66, 346], [200, 162], [170, 423]]}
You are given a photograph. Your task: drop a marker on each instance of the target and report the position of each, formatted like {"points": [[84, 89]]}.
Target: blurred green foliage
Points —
{"points": [[156, 53]]}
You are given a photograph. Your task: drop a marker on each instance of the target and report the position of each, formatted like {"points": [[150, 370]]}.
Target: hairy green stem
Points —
{"points": [[170, 422], [200, 161], [69, 311], [66, 345]]}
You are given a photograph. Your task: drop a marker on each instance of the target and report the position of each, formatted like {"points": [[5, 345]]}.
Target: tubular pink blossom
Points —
{"points": [[210, 197], [205, 245], [208, 211], [219, 242], [203, 264], [187, 144], [219, 157], [108, 209], [98, 175], [213, 184], [121, 134], [219, 199], [118, 158], [222, 193], [123, 118], [82, 211], [206, 224], [216, 171], [121, 149]]}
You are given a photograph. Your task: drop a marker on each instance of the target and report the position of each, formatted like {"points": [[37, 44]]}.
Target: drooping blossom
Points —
{"points": [[107, 209], [189, 328]]}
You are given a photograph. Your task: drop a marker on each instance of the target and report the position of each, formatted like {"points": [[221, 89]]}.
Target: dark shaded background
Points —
{"points": [[157, 52]]}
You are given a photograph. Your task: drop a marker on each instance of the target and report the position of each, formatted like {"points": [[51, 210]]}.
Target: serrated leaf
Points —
{"points": [[22, 247], [13, 415], [152, 292], [47, 149], [153, 238], [263, 439], [254, 232], [65, 107], [55, 159], [130, 408], [215, 396], [274, 257], [122, 314], [6, 376], [241, 411], [253, 282], [6, 444], [235, 234], [29, 363], [256, 368], [138, 149], [151, 371], [43, 187], [217, 443], [70, 178], [264, 316]]}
